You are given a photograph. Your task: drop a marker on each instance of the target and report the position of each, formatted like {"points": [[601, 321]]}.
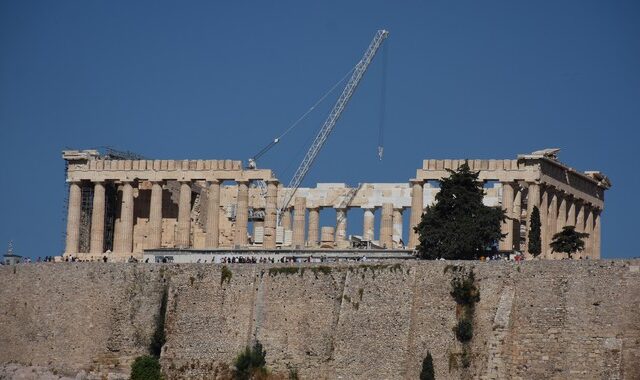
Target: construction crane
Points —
{"points": [[331, 120]]}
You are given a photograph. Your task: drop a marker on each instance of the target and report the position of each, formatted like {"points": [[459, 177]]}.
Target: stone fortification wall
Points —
{"points": [[78, 317], [567, 319]]}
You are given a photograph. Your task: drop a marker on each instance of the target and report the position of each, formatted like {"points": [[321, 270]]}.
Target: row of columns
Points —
{"points": [[556, 208], [390, 226], [123, 236], [556, 211]]}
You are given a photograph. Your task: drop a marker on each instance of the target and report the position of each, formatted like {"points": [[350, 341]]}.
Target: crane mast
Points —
{"points": [[333, 117]]}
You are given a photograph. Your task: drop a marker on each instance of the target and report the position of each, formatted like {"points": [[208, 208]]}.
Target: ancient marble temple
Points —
{"points": [[121, 207]]}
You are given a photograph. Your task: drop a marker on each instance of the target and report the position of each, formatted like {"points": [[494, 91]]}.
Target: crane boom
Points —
{"points": [[333, 117]]}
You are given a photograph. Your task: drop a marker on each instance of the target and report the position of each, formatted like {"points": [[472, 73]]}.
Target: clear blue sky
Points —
{"points": [[466, 79]]}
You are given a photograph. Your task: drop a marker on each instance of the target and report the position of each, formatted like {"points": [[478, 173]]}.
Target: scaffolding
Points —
{"points": [[86, 210], [111, 202]]}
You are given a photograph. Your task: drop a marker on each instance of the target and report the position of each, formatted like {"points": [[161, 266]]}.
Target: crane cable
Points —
{"points": [[383, 103], [301, 118]]}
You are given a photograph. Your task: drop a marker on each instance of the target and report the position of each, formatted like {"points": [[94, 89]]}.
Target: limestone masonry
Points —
{"points": [[126, 206], [571, 319]]}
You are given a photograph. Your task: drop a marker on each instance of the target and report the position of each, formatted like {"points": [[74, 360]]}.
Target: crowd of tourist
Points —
{"points": [[242, 259], [261, 260]]}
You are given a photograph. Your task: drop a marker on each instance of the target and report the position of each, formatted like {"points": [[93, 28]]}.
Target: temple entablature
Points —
{"points": [[88, 165]]}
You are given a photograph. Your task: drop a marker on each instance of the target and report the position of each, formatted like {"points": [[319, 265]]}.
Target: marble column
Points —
{"points": [[123, 241], [517, 215], [595, 254], [257, 226], [73, 218], [397, 228], [417, 207], [533, 200], [212, 227], [580, 206], [544, 217], [552, 219], [154, 239], [562, 211], [369, 224], [571, 212], [286, 219], [183, 235], [270, 215], [386, 226], [314, 225], [588, 228], [506, 244], [242, 214], [299, 221], [97, 219], [341, 226]]}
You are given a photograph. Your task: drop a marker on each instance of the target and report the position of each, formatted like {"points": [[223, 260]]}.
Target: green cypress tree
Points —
{"points": [[427, 372], [459, 226], [535, 243]]}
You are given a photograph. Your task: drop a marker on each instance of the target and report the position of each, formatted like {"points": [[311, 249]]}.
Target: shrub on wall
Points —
{"points": [[251, 363], [146, 368], [225, 275], [464, 290], [464, 330], [466, 294]]}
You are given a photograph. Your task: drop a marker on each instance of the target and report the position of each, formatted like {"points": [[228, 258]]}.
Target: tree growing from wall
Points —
{"points": [[568, 241], [535, 242], [459, 226]]}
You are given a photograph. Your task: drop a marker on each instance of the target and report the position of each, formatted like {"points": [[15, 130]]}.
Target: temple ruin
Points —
{"points": [[125, 206]]}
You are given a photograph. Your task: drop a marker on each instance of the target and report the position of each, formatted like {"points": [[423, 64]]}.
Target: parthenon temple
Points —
{"points": [[123, 206]]}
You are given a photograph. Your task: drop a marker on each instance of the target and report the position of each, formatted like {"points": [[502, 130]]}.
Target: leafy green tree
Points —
{"points": [[535, 242], [427, 372], [568, 240], [250, 362], [459, 226], [146, 368]]}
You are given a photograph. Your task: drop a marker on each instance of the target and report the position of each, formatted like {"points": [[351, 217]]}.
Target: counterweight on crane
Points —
{"points": [[331, 120]]}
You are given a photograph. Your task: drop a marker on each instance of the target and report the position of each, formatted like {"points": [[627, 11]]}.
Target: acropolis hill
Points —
{"points": [[540, 319], [124, 206]]}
